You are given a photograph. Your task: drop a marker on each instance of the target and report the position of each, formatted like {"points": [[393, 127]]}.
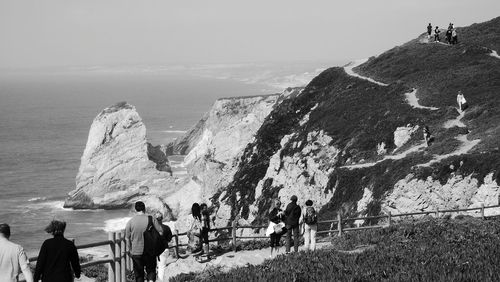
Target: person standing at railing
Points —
{"points": [[167, 234], [310, 220], [134, 232], [205, 229], [292, 217], [13, 259], [276, 226], [57, 256]]}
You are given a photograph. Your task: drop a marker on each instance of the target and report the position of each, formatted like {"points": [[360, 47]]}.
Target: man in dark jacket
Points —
{"points": [[292, 214]]}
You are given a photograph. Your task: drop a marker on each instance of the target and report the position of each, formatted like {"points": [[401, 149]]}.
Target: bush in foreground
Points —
{"points": [[465, 249]]}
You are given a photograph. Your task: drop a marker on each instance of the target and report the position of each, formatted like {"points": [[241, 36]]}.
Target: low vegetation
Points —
{"points": [[462, 249]]}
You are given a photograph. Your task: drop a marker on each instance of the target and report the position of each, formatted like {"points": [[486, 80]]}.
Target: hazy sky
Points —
{"points": [[39, 33]]}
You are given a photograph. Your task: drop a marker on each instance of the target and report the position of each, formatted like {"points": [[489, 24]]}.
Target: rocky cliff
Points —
{"points": [[352, 141], [119, 167]]}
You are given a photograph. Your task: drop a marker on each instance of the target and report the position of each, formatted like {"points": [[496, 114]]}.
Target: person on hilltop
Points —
{"points": [[167, 237], [134, 233], [462, 103], [292, 217], [436, 34], [57, 256], [276, 226], [429, 31], [194, 231], [205, 229], [310, 226], [454, 36], [13, 259], [448, 36]]}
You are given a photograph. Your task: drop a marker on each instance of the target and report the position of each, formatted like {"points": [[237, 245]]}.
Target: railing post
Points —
{"points": [[390, 218], [176, 238], [339, 223], [118, 271], [111, 266], [437, 213], [482, 211], [234, 234], [123, 258]]}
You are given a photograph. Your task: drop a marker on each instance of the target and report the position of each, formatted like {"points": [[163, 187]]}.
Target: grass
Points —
{"points": [[463, 249]]}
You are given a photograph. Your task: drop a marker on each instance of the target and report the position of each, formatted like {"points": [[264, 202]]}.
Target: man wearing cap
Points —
{"points": [[13, 259], [292, 215]]}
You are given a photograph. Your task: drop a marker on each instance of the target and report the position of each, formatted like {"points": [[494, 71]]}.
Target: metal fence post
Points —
{"points": [[123, 259], [482, 211], [235, 222], [176, 238], [111, 266], [339, 223], [118, 251]]}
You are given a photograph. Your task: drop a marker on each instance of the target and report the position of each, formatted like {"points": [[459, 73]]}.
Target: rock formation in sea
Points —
{"points": [[119, 166]]}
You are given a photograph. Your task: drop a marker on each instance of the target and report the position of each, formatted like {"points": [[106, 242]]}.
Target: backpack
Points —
{"points": [[310, 217], [154, 243]]}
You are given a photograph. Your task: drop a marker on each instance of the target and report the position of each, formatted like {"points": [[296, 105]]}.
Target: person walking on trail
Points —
{"points": [[429, 31], [436, 34], [292, 217], [276, 226], [205, 229], [427, 136], [462, 103], [167, 237], [13, 259], [134, 233], [57, 256], [310, 219]]}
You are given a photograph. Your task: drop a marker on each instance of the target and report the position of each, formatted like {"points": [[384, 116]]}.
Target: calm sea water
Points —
{"points": [[45, 119]]}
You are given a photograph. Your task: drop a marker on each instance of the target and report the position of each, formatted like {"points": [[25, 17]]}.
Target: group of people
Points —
{"points": [[57, 261], [198, 232], [289, 222], [451, 34], [462, 105]]}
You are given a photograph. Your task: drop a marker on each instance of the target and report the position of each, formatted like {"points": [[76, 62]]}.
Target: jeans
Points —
{"points": [[295, 230], [310, 236], [141, 261]]}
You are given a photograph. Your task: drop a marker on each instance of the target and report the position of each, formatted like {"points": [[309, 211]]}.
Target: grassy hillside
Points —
{"points": [[358, 115], [465, 249]]}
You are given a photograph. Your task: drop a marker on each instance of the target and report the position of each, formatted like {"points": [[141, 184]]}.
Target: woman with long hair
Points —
{"points": [[57, 256], [276, 226], [194, 232]]}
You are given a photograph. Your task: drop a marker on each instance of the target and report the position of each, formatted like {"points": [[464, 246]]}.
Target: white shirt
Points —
{"points": [[13, 260]]}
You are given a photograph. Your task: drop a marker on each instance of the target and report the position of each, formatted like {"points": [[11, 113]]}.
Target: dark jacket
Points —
{"points": [[57, 256], [292, 214], [274, 217]]}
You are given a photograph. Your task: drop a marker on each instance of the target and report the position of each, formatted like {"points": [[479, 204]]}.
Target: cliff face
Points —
{"points": [[353, 140], [118, 166]]}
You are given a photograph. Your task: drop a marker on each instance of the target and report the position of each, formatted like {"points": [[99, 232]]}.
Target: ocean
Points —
{"points": [[45, 118]]}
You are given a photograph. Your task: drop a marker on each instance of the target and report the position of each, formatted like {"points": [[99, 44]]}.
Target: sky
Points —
{"points": [[48, 33]]}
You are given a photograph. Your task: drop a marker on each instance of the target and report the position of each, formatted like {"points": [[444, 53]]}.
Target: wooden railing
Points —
{"points": [[119, 259]]}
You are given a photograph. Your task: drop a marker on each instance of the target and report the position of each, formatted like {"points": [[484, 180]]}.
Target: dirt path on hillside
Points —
{"points": [[349, 70], [225, 261], [494, 54], [411, 98]]}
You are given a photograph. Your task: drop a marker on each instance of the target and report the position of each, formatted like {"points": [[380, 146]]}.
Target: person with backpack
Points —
{"points": [[138, 232], [310, 226], [205, 229], [292, 216], [167, 237]]}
